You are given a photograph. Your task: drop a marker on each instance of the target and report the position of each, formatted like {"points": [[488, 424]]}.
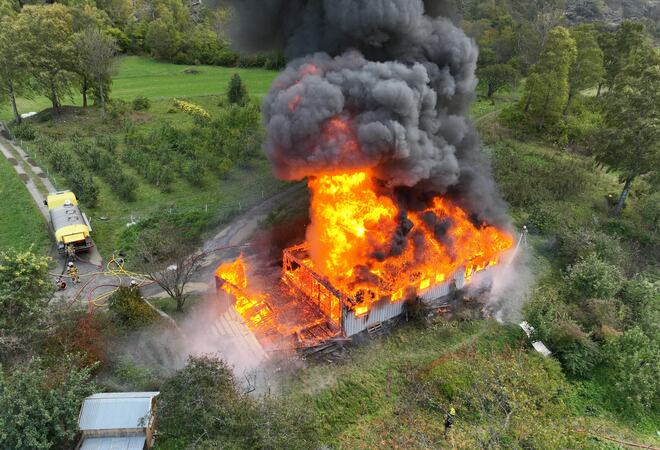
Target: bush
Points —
{"points": [[106, 141], [117, 109], [129, 309], [39, 405], [24, 131], [591, 277], [579, 243], [237, 92], [83, 185], [123, 185], [635, 364], [141, 103]]}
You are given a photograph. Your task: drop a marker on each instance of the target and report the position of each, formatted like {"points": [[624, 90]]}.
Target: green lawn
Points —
{"points": [[21, 224], [137, 75]]}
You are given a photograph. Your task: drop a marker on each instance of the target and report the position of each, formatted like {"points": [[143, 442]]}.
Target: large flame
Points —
{"points": [[353, 244], [366, 246]]}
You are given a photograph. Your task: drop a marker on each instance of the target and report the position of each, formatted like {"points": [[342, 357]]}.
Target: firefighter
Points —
{"points": [[71, 252], [449, 421], [135, 286], [60, 283], [72, 271]]}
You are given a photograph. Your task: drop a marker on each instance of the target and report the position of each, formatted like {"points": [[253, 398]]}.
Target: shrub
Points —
{"points": [[237, 92], [194, 172], [591, 277], [117, 108], [123, 185], [129, 309], [24, 131], [635, 364], [83, 185], [106, 141], [580, 243], [141, 103]]}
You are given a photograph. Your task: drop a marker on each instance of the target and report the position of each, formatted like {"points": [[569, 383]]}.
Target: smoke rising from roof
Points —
{"points": [[378, 84]]}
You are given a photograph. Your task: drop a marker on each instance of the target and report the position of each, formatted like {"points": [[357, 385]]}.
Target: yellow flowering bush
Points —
{"points": [[192, 109]]}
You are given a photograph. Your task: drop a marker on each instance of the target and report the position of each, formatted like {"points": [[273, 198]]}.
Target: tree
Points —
{"points": [[203, 406], [237, 92], [635, 364], [25, 290], [14, 79], [592, 277], [630, 141], [46, 41], [95, 51], [496, 76], [201, 402], [546, 89], [617, 48], [169, 259], [129, 309], [39, 406], [587, 70]]}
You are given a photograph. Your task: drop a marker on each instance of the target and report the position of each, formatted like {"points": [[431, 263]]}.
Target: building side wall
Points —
{"points": [[380, 312]]}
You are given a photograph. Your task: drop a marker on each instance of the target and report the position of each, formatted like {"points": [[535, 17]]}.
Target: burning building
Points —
{"points": [[372, 110]]}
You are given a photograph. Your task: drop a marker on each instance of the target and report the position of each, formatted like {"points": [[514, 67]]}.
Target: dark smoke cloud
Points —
{"points": [[380, 84]]}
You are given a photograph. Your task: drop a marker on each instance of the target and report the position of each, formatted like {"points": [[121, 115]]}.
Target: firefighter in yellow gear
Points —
{"points": [[449, 421], [72, 271], [71, 252]]}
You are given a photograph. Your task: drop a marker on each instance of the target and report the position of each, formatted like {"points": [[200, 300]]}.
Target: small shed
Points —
{"points": [[117, 421]]}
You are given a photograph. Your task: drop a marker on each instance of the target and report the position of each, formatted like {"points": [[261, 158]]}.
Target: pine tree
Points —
{"points": [[587, 70], [546, 89], [630, 141], [237, 93]]}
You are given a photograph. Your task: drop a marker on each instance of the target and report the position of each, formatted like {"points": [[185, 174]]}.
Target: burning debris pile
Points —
{"points": [[372, 110]]}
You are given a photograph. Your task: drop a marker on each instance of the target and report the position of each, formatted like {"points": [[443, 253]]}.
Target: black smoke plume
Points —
{"points": [[379, 84]]}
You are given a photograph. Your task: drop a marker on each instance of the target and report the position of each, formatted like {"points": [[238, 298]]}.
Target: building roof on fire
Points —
{"points": [[116, 411]]}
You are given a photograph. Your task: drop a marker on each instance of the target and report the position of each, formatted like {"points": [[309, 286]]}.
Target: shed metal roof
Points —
{"points": [[111, 411], [113, 443]]}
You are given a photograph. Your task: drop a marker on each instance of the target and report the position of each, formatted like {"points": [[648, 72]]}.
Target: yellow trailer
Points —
{"points": [[70, 225]]}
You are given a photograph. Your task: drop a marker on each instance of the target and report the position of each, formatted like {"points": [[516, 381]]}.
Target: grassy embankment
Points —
{"points": [[21, 224], [161, 82]]}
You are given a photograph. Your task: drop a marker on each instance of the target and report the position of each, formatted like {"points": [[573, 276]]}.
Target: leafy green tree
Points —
{"points": [[25, 289], [39, 406], [496, 77], [46, 40], [587, 70], [546, 89], [95, 51], [237, 92], [162, 38], [617, 47], [203, 406], [592, 277], [635, 365], [630, 141], [14, 77], [202, 401]]}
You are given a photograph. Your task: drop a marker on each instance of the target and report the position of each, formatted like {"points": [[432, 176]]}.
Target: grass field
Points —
{"points": [[137, 75], [21, 224]]}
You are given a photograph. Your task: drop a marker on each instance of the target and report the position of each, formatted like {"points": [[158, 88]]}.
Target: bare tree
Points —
{"points": [[168, 259], [95, 51]]}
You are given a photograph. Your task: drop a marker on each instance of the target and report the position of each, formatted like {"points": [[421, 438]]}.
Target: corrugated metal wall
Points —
{"points": [[435, 292], [352, 325], [380, 313]]}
